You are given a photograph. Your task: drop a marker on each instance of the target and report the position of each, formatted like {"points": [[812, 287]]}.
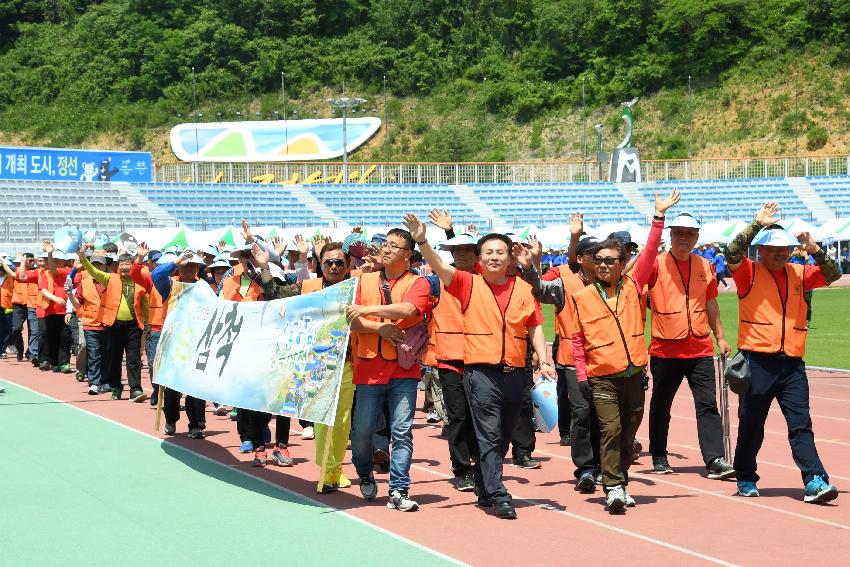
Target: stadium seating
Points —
{"points": [[835, 191]]}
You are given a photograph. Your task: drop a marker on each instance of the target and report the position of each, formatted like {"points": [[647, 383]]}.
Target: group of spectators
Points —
{"points": [[479, 316]]}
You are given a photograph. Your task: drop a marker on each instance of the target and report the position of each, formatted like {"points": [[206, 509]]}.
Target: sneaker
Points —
{"points": [[246, 447], [44, 366], [638, 447], [466, 482], [280, 456], [433, 417], [260, 457], [587, 482], [747, 488], [138, 396], [599, 479], [308, 433], [234, 415], [66, 369], [81, 377], [116, 393], [719, 469], [343, 481], [170, 428], [504, 510], [630, 502], [368, 487], [401, 501], [267, 435], [566, 440], [661, 466], [616, 499], [93, 391], [196, 433], [525, 461], [819, 491], [221, 411]]}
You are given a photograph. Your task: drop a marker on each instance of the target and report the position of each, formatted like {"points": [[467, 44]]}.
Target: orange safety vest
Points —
{"points": [[572, 283], [765, 324], [445, 329], [679, 310], [231, 286], [89, 311], [370, 345], [6, 291], [20, 292], [612, 343], [157, 308], [34, 296], [311, 285], [110, 301], [490, 337]]}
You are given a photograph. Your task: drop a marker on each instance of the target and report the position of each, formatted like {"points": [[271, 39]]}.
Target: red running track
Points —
{"points": [[680, 519]]}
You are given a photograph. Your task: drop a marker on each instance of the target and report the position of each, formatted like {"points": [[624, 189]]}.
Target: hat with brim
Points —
{"points": [[625, 236], [43, 255], [459, 240], [174, 249], [586, 245], [219, 264], [517, 239], [238, 249], [277, 272], [774, 235], [225, 257], [167, 257], [684, 220], [96, 259], [59, 255], [196, 258]]}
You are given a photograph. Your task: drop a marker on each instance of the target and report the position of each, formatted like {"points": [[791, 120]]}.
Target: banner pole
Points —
{"points": [[325, 450], [724, 407], [158, 408]]}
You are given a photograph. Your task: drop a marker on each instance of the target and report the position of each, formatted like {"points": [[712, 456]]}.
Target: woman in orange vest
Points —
{"points": [[772, 337], [500, 317], [86, 299], [610, 351]]}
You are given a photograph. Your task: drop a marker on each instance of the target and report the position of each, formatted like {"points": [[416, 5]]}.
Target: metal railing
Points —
{"points": [[520, 172]]}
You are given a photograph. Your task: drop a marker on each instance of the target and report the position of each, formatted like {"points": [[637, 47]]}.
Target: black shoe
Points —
{"points": [[45, 366], [719, 469], [566, 440], [525, 461], [466, 483], [661, 466], [34, 362], [382, 459], [638, 447], [505, 510], [587, 482], [170, 428], [368, 487], [116, 393], [196, 433]]}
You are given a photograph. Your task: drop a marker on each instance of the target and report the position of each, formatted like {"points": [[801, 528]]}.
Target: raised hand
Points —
{"points": [[472, 230], [184, 258], [576, 224], [415, 226], [279, 246], [807, 243], [221, 245], [357, 230], [81, 252], [522, 255], [246, 232], [661, 206], [302, 245], [768, 214], [142, 251], [261, 256], [536, 247], [47, 246], [319, 244], [440, 219]]}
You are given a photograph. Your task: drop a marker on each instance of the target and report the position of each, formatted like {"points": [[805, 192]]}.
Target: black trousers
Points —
{"points": [[565, 409], [667, 375], [523, 440], [494, 398], [584, 426], [42, 339], [58, 340], [125, 339], [459, 428], [194, 409], [255, 423], [20, 314]]}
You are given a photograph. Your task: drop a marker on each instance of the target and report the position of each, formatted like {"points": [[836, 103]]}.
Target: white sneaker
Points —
{"points": [[616, 499], [401, 501], [433, 417], [630, 502], [308, 433]]}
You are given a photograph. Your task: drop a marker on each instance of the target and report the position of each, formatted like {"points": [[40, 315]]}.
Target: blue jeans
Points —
{"points": [[32, 332], [400, 394], [94, 354], [153, 343]]}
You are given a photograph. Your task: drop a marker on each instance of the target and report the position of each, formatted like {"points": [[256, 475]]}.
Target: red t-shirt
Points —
{"points": [[690, 346], [461, 287], [378, 370]]}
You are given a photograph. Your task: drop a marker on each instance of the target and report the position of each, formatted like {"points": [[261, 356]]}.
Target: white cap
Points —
{"points": [[219, 264], [459, 240], [59, 255], [774, 235], [684, 220]]}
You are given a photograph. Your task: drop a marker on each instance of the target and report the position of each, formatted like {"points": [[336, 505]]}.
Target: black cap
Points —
{"points": [[586, 245], [625, 237]]}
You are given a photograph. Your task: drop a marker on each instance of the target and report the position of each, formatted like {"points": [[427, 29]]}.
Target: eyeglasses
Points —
{"points": [[609, 261], [335, 263], [393, 247]]}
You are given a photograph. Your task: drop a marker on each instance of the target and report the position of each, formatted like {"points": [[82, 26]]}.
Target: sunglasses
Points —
{"points": [[609, 261], [335, 263]]}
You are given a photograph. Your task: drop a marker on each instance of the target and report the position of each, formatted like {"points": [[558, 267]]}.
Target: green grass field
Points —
{"points": [[828, 345]]}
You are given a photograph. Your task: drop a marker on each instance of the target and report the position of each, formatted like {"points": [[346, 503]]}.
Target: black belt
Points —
{"points": [[499, 367]]}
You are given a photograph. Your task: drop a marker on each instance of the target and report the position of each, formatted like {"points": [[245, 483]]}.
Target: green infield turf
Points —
{"points": [[829, 336], [86, 491]]}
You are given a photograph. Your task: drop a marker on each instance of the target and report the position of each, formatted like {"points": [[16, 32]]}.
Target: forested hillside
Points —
{"points": [[491, 79]]}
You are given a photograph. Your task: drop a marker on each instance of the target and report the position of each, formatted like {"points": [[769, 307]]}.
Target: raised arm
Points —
{"points": [[416, 227], [766, 216], [576, 230], [100, 277], [646, 261]]}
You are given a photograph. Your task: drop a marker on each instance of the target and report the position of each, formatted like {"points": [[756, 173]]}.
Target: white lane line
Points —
{"points": [[312, 501], [782, 434], [736, 499], [548, 507]]}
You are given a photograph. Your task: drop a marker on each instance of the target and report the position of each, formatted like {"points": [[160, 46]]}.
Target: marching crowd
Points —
{"points": [[478, 319]]}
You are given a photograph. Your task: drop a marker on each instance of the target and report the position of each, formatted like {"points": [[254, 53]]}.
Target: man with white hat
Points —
{"points": [[53, 290], [772, 337], [21, 312], [683, 301]]}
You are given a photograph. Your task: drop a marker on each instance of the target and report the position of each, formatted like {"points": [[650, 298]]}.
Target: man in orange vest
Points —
{"points": [[582, 426], [610, 351], [53, 290], [21, 311], [121, 312], [500, 317], [32, 277], [86, 299], [445, 353], [6, 291], [389, 303], [772, 336], [186, 264], [683, 301]]}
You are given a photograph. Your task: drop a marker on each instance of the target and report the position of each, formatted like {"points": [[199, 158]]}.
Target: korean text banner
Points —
{"points": [[46, 164], [283, 357]]}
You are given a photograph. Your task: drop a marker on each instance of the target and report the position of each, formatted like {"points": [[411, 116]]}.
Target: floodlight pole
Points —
{"points": [[345, 104]]}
